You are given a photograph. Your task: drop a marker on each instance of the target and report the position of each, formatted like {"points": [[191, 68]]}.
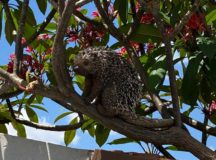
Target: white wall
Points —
{"points": [[16, 148]]}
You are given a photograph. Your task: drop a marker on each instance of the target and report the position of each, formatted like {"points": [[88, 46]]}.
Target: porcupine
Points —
{"points": [[112, 84]]}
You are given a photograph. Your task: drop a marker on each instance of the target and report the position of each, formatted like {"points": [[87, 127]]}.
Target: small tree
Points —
{"points": [[174, 39]]}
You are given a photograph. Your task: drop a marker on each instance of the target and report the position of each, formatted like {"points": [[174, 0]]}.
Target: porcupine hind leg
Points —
{"points": [[107, 102]]}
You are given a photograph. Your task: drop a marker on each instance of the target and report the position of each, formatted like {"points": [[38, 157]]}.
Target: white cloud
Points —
{"points": [[114, 133], [43, 135]]}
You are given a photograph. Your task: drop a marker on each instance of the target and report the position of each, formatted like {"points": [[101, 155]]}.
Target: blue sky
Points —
{"points": [[82, 140]]}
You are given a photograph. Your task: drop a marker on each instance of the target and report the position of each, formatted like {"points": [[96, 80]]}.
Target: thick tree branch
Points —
{"points": [[41, 29], [59, 59]]}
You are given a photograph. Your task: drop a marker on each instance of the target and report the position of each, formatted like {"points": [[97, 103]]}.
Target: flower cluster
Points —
{"points": [[28, 64], [147, 18], [87, 36], [194, 25]]}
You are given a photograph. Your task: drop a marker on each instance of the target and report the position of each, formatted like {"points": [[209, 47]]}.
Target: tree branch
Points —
{"points": [[59, 60], [42, 27], [153, 6], [18, 46], [204, 133], [44, 127], [164, 151], [81, 3]]}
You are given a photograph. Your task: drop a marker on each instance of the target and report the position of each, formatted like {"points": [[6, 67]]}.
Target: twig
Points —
{"points": [[81, 3], [42, 27], [86, 19], [204, 133], [164, 151], [196, 124], [54, 4], [45, 127], [19, 47]]}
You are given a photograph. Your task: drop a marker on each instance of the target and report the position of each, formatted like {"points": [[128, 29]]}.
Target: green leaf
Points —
{"points": [[143, 33], [88, 124], [19, 128], [39, 98], [213, 118], [90, 127], [28, 29], [30, 19], [30, 99], [70, 135], [122, 141], [190, 84], [157, 73], [173, 148], [123, 11], [101, 134], [211, 17], [206, 90], [3, 129], [62, 116], [32, 114], [207, 46], [79, 80], [39, 107], [9, 32], [42, 4]]}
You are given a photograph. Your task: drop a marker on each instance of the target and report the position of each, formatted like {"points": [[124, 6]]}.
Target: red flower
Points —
{"points": [[150, 47], [196, 22], [95, 14], [29, 49], [10, 67], [122, 51], [169, 30], [147, 18], [136, 46], [23, 40], [49, 50], [43, 37], [12, 56], [73, 38], [212, 107]]}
